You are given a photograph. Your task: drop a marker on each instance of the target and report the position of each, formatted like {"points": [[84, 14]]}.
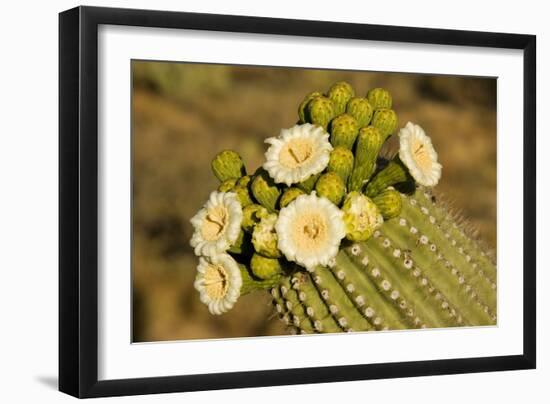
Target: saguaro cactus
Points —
{"points": [[331, 233]]}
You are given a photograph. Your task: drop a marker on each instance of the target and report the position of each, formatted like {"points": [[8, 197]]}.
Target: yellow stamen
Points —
{"points": [[214, 223]]}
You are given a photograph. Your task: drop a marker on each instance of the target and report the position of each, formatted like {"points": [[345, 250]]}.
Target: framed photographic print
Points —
{"points": [[251, 201]]}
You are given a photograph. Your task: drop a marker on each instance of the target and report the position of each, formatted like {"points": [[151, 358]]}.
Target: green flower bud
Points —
{"points": [[331, 186], [227, 185], [308, 185], [264, 237], [361, 110], [228, 164], [244, 195], [394, 173], [265, 190], [244, 181], [289, 195], [252, 215], [320, 111], [263, 267], [340, 93], [302, 109], [343, 131], [341, 162], [386, 121], [361, 216], [369, 142], [379, 98], [389, 203]]}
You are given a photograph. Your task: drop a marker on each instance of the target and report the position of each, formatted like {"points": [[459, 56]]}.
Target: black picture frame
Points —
{"points": [[78, 200]]}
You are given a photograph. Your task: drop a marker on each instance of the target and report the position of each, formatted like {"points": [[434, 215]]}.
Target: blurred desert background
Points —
{"points": [[183, 114]]}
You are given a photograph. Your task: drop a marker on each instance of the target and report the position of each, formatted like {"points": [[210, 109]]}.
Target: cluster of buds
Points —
{"points": [[322, 182]]}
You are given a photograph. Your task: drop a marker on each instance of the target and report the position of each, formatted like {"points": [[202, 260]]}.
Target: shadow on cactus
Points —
{"points": [[343, 237]]}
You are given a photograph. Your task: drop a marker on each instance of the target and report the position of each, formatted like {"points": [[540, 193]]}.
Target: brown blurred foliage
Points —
{"points": [[183, 114]]}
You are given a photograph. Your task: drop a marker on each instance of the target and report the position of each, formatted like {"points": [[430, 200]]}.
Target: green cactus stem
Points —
{"points": [[303, 106], [343, 131], [331, 186], [394, 173], [264, 190], [361, 110], [340, 93], [385, 120], [320, 111], [389, 203], [228, 164], [379, 98], [419, 270], [341, 162], [369, 142]]}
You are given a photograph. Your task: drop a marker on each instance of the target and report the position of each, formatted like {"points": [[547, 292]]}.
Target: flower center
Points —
{"points": [[215, 281], [214, 223], [310, 232], [421, 155], [296, 152]]}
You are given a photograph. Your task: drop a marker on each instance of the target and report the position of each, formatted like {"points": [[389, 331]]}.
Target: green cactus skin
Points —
{"points": [[320, 111], [264, 190], [308, 185], [385, 120], [419, 270], [340, 93], [341, 162], [289, 195], [303, 106], [369, 142], [264, 267], [389, 203], [251, 283], [394, 173], [379, 98], [343, 131], [361, 110], [252, 215], [331, 186], [228, 164]]}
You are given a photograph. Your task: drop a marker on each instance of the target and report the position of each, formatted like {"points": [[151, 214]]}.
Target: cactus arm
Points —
{"points": [[451, 283], [431, 304], [375, 307], [315, 307], [297, 315], [471, 248], [279, 303], [341, 307], [400, 291], [471, 276]]}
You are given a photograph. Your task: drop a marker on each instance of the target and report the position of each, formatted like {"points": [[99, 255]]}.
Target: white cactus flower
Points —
{"points": [[219, 282], [217, 224], [417, 153], [309, 231], [297, 153]]}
